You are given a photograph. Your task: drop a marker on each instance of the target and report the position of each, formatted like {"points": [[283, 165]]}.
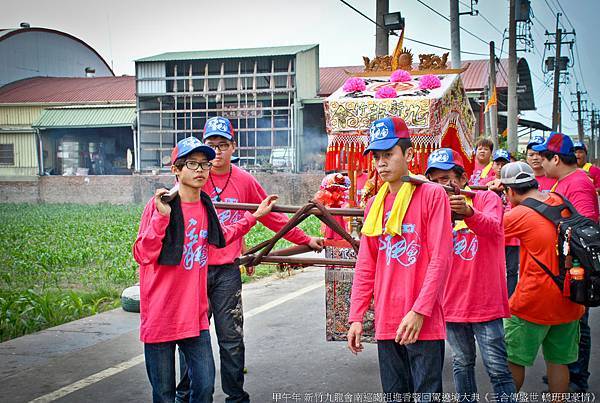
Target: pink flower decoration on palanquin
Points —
{"points": [[400, 76], [429, 82], [386, 92], [354, 84]]}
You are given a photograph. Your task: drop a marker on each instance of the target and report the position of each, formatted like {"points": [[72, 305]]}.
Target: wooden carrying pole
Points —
{"points": [[348, 212], [449, 189], [262, 253]]}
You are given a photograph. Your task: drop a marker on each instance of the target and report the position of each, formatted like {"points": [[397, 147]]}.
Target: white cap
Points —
{"points": [[516, 173]]}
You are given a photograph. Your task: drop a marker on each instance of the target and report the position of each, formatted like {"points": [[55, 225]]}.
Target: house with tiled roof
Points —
{"points": [[66, 126], [62, 110]]}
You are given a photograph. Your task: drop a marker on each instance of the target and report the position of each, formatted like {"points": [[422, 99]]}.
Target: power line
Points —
{"points": [[406, 37], [480, 14], [448, 19], [565, 14], [443, 47]]}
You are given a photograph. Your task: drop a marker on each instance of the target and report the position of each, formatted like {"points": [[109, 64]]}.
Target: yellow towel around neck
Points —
{"points": [[485, 171], [374, 221], [586, 167], [461, 224]]}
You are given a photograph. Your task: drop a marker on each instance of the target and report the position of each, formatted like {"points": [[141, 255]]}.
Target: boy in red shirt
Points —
{"points": [[172, 249], [532, 323], [229, 183], [477, 264], [403, 261]]}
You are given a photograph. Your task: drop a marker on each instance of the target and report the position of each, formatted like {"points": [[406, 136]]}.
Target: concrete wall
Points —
{"points": [[293, 189]]}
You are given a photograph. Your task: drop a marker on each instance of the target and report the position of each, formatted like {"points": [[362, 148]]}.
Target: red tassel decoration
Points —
{"points": [[567, 284]]}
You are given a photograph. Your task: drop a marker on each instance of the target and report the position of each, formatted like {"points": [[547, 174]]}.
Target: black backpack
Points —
{"points": [[578, 238]]}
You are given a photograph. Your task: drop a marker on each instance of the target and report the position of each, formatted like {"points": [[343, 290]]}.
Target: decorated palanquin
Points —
{"points": [[338, 283], [432, 101], [437, 117]]}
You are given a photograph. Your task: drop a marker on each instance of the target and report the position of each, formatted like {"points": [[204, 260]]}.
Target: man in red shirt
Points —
{"points": [[403, 261], [230, 183], [582, 162], [477, 264], [532, 323], [559, 161]]}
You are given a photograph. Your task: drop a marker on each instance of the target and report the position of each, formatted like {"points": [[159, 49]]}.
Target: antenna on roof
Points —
{"points": [[25, 25]]}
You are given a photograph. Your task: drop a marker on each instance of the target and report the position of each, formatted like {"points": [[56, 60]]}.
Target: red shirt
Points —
{"points": [[173, 299], [476, 288], [594, 174], [477, 180], [579, 190], [545, 183], [408, 271], [537, 298], [243, 188]]}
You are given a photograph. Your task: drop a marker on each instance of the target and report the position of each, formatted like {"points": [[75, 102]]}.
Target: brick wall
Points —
{"points": [[293, 189]]}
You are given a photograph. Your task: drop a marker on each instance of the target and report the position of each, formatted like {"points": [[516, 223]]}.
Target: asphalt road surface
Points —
{"points": [[99, 359]]}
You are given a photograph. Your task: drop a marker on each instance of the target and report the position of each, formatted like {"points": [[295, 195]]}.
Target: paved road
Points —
{"points": [[98, 359]]}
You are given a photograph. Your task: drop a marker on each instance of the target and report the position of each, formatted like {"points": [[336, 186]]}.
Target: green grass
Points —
{"points": [[63, 262]]}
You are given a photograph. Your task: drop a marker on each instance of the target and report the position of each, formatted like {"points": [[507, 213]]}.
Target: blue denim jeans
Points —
{"points": [[411, 368], [512, 268], [490, 339], [225, 300], [578, 371], [160, 366]]}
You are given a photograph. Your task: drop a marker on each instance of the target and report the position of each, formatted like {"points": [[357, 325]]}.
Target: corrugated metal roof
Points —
{"points": [[86, 117], [475, 78], [69, 90], [9, 32], [228, 53], [6, 31], [332, 78]]}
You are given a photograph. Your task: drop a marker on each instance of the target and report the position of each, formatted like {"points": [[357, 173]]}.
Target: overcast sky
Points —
{"points": [[125, 30]]}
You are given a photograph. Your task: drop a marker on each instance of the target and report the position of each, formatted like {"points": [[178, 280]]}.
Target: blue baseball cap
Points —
{"points": [[535, 140], [218, 126], [444, 159], [189, 145], [558, 143], [501, 154], [385, 133], [578, 145]]}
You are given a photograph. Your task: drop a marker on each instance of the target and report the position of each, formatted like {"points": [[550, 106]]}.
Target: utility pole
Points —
{"points": [[559, 113], [455, 34], [580, 108], [558, 64], [382, 35], [556, 99], [493, 111], [513, 106], [579, 121], [486, 115], [592, 151]]}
